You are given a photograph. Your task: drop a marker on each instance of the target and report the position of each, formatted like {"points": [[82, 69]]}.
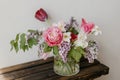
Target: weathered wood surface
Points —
{"points": [[43, 70]]}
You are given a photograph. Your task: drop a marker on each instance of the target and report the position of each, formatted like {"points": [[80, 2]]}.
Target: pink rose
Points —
{"points": [[53, 36], [87, 26]]}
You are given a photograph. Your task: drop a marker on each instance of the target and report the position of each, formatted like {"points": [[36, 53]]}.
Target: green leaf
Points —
{"points": [[12, 44], [47, 48], [16, 46], [32, 31], [74, 31], [31, 42], [22, 41], [17, 37], [80, 50], [76, 54], [55, 50], [25, 47]]}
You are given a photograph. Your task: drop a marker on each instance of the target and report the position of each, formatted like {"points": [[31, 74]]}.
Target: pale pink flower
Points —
{"points": [[87, 26], [44, 55], [53, 36], [61, 25]]}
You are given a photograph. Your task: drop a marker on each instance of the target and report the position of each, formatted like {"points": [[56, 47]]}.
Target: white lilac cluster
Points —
{"points": [[63, 50], [91, 51]]}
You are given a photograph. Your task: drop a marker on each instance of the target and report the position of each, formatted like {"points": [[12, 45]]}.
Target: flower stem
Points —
{"points": [[48, 22], [69, 68]]}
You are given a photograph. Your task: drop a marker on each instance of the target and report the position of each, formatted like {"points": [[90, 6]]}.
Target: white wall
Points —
{"points": [[18, 16]]}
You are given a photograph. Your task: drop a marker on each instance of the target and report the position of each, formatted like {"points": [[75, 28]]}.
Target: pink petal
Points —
{"points": [[84, 21]]}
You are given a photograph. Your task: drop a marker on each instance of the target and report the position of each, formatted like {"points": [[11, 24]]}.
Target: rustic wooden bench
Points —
{"points": [[43, 70]]}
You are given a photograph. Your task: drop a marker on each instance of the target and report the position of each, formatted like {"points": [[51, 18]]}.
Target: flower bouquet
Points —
{"points": [[67, 41]]}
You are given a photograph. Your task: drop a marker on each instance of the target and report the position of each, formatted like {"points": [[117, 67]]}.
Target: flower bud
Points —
{"points": [[41, 15]]}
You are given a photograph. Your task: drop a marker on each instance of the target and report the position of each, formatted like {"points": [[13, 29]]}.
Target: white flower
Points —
{"points": [[96, 31], [60, 25], [81, 41], [82, 36], [67, 36], [83, 44]]}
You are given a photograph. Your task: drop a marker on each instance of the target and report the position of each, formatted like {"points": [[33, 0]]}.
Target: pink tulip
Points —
{"points": [[53, 36], [86, 26], [41, 15]]}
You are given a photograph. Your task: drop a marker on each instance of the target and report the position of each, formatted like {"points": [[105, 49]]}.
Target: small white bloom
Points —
{"points": [[60, 25], [67, 36], [83, 44], [81, 41], [82, 36], [96, 31]]}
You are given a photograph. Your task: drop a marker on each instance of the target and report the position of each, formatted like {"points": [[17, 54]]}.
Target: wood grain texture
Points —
{"points": [[43, 70]]}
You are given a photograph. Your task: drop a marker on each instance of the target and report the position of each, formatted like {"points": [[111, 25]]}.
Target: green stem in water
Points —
{"points": [[69, 68]]}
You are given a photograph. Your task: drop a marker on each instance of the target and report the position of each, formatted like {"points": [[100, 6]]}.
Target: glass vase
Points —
{"points": [[68, 68]]}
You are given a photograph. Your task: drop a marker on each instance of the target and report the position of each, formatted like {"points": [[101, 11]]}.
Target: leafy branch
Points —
{"points": [[24, 41]]}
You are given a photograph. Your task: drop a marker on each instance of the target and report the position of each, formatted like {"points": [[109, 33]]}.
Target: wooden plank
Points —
{"points": [[85, 74], [25, 72], [38, 76], [49, 74], [24, 65], [43, 70], [88, 73], [27, 65], [84, 64]]}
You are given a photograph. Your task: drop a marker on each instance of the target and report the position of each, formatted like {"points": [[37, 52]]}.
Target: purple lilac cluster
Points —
{"points": [[35, 34], [91, 51], [40, 49], [63, 50], [72, 23]]}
